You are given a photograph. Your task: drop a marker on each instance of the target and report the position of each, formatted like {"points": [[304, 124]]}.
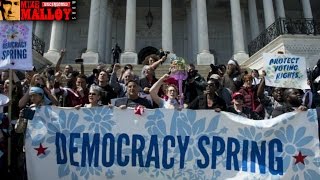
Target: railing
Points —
{"points": [[284, 26], [38, 44]]}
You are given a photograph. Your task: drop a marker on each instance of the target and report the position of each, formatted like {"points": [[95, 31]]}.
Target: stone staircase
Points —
{"points": [[162, 69]]}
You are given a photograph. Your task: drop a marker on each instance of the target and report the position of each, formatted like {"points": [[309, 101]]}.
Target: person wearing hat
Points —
{"points": [[194, 85], [36, 95], [223, 92], [37, 98], [232, 78], [239, 108]]}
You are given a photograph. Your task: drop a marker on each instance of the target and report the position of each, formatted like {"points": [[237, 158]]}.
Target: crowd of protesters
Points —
{"points": [[226, 88]]}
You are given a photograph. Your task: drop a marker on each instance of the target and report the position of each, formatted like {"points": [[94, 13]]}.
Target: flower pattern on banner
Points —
{"points": [[15, 32], [100, 119], [183, 123], [295, 140]]}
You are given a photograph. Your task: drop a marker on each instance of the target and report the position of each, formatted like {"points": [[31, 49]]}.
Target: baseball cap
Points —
{"points": [[215, 77], [231, 61], [234, 95], [36, 90]]}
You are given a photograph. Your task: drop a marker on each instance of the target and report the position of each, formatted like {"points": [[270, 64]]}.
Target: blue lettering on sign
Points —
{"points": [[166, 141], [275, 143], [61, 148], [153, 148], [119, 149], [287, 75], [286, 60], [108, 137], [90, 149], [203, 151], [112, 151], [14, 54], [261, 156], [233, 148], [245, 147], [137, 151], [215, 150], [73, 149]]}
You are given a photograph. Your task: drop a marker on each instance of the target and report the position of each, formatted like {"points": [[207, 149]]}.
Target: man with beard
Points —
{"points": [[232, 78], [270, 102], [292, 102]]}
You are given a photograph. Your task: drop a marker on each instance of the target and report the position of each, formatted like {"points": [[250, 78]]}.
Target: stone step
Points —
{"points": [[162, 69]]}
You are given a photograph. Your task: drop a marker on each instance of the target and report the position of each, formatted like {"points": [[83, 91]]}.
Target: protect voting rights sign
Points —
{"points": [[104, 143], [285, 70]]}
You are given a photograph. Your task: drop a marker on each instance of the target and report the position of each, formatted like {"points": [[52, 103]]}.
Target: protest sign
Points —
{"points": [[103, 143], [285, 70], [16, 45]]}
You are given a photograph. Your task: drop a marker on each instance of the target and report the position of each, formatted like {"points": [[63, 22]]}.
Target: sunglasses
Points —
{"points": [[93, 94], [239, 97]]}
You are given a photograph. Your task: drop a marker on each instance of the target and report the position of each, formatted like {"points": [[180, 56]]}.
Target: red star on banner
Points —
{"points": [[299, 158], [41, 150]]}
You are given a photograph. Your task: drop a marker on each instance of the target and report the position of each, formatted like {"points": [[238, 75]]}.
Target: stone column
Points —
{"points": [[166, 25], [280, 9], [102, 30], [253, 18], [109, 33], [307, 12], [188, 35], [268, 12], [239, 53], [39, 30], [92, 56], [130, 56], [57, 41], [194, 31], [204, 57]]}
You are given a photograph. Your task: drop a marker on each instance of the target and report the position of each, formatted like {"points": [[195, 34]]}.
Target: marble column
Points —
{"points": [[194, 31], [39, 30], [188, 35], [102, 30], [253, 18], [239, 53], [280, 9], [57, 41], [108, 57], [204, 57], [307, 12], [166, 25], [268, 13], [130, 56], [92, 56]]}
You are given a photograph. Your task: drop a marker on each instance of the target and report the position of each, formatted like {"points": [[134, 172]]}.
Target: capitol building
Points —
{"points": [[200, 31]]}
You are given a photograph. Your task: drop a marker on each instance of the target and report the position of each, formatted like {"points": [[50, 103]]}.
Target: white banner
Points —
{"points": [[285, 70], [103, 143], [16, 45]]}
